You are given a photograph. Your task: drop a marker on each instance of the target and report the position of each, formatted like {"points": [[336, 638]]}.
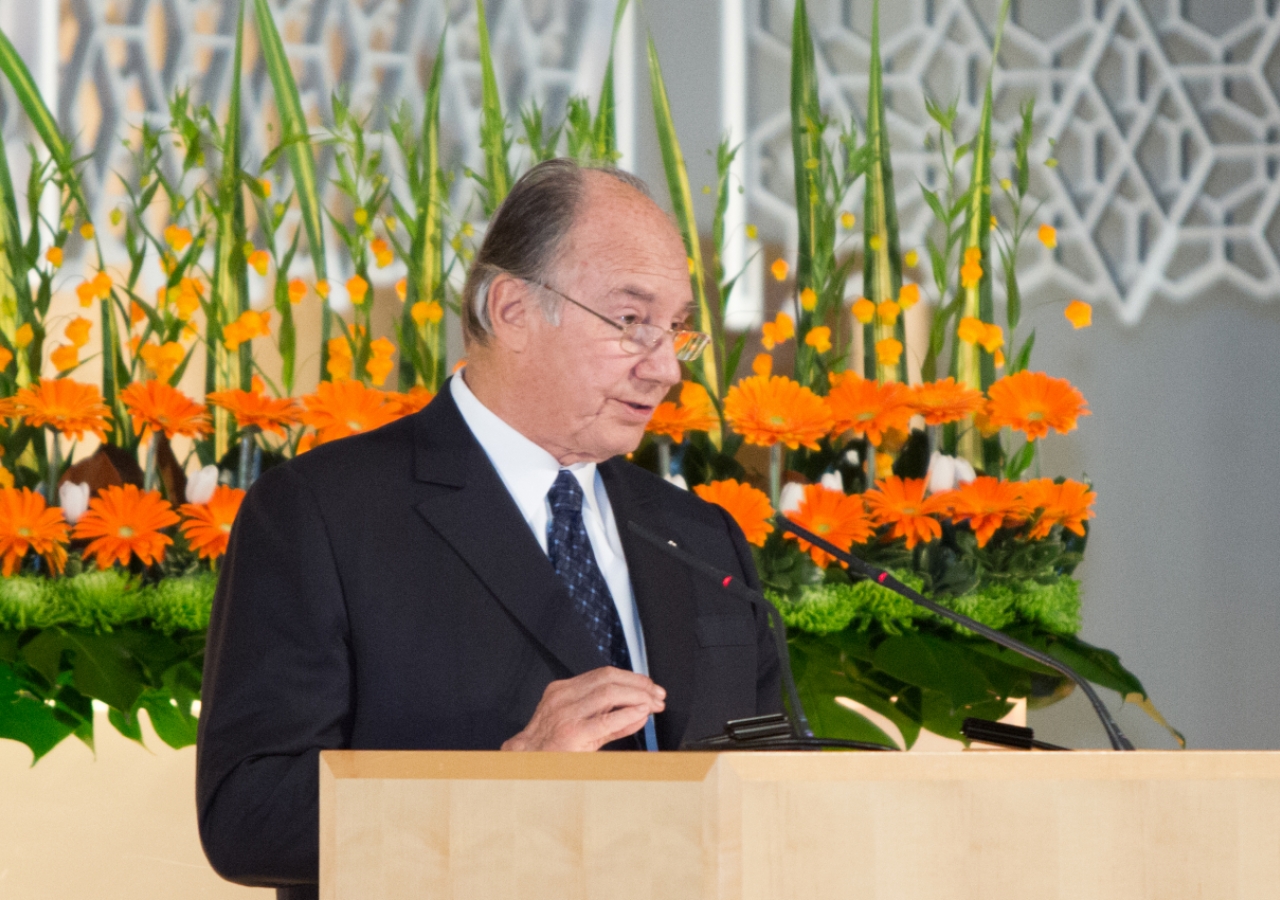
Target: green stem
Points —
{"points": [[149, 477], [55, 468], [246, 459], [664, 457], [775, 474]]}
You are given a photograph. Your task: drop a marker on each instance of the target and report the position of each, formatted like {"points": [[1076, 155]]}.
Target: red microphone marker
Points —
{"points": [[727, 579]]}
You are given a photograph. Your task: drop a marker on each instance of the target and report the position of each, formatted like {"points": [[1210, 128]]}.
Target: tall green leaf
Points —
{"points": [[426, 262], [28, 94], [606, 125], [882, 261], [972, 366], [493, 127], [15, 290], [682, 205], [296, 142], [230, 287], [806, 143]]}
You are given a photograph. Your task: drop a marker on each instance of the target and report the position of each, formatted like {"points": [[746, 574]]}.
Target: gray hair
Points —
{"points": [[525, 236]]}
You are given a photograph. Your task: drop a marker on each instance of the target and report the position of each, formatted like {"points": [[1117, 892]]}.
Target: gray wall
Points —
{"points": [[1182, 577]]}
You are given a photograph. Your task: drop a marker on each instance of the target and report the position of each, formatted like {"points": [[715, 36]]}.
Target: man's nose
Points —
{"points": [[660, 363]]}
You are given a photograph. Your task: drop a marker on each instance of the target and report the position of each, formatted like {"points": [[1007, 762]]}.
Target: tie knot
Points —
{"points": [[565, 495]]}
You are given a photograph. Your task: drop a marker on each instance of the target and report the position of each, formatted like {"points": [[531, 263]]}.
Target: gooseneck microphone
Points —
{"points": [[883, 578], [770, 732]]}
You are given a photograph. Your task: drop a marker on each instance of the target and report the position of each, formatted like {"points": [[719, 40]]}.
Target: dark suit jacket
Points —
{"points": [[384, 592]]}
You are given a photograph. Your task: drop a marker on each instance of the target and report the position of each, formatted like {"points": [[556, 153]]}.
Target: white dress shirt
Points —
{"points": [[528, 471]]}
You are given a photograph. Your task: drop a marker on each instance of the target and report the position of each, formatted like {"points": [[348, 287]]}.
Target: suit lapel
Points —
{"points": [[664, 597], [475, 514]]}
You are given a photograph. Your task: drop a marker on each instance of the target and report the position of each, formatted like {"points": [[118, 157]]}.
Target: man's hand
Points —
{"points": [[589, 711]]}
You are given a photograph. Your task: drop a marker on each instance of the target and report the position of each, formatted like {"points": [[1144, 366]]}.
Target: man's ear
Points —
{"points": [[510, 303]]}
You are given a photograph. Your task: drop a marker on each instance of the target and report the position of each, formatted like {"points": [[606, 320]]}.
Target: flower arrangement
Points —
{"points": [[111, 540]]}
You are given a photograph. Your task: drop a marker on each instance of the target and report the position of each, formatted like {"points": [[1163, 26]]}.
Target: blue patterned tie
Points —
{"points": [[570, 552]]}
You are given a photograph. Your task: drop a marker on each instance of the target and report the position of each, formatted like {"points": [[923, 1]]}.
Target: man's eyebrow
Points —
{"points": [[639, 293]]}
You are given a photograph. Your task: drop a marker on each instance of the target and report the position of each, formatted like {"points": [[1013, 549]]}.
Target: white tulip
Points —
{"points": [[200, 486], [942, 473], [833, 481], [791, 497], [946, 472], [74, 499], [678, 481]]}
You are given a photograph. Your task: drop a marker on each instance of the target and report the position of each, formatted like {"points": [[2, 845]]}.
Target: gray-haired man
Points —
{"points": [[463, 578]]}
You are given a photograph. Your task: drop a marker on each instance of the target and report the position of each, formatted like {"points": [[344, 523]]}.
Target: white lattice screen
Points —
{"points": [[119, 61], [1163, 114]]}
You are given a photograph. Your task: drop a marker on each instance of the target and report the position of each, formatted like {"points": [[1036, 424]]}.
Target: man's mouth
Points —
{"points": [[640, 408]]}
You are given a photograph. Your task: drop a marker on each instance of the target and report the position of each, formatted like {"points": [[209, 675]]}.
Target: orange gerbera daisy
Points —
{"points": [[748, 505], [987, 504], [944, 401], [341, 408], [207, 526], [695, 413], [410, 401], [254, 409], [70, 407], [777, 410], [901, 502], [27, 523], [1033, 402], [155, 406], [125, 522], [868, 408], [1067, 504], [840, 518]]}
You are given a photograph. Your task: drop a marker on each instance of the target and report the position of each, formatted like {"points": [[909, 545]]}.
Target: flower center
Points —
{"points": [[777, 420], [24, 531], [1035, 415], [126, 531], [354, 426], [225, 527]]}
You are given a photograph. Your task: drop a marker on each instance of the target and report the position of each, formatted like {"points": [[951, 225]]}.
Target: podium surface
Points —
{"points": [[988, 825]]}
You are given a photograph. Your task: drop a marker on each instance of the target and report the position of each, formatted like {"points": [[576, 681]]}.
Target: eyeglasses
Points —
{"points": [[639, 338]]}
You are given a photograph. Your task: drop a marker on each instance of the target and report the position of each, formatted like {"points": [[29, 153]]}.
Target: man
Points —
{"points": [[463, 578]]}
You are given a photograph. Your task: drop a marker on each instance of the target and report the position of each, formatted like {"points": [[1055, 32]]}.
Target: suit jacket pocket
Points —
{"points": [[725, 631]]}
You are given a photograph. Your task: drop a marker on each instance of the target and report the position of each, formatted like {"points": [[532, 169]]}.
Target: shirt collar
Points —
{"points": [[527, 470]]}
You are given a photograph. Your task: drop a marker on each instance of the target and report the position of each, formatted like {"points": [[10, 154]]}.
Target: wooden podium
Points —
{"points": [[989, 825]]}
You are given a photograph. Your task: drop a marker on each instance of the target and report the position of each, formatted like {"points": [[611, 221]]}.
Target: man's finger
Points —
{"points": [[616, 724], [597, 679]]}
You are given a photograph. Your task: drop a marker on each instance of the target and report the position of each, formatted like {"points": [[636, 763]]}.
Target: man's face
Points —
{"points": [[624, 259]]}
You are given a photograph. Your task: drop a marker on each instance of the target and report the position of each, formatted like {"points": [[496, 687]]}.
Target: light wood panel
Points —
{"points": [[1091, 825], [121, 826]]}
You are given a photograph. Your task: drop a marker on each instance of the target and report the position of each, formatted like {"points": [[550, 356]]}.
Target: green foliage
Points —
{"points": [[882, 265], [824, 173], [295, 143], [494, 139], [100, 635], [422, 347], [105, 599]]}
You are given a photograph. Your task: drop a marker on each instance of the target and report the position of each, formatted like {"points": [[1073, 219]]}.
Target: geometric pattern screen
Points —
{"points": [[120, 62], [1163, 115]]}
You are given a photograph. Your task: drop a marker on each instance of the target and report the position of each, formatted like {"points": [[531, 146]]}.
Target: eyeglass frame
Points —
{"points": [[699, 339]]}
